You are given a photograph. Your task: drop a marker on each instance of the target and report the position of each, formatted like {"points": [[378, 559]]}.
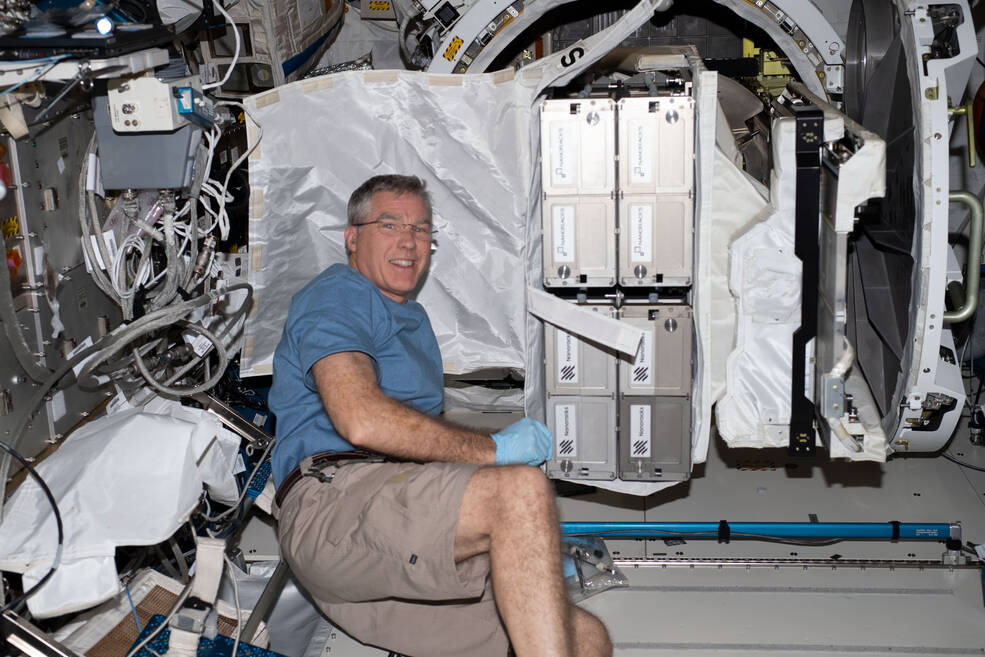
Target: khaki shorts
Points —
{"points": [[375, 548]]}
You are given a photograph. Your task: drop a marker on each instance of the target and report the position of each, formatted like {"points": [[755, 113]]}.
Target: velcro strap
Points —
{"points": [[182, 643], [208, 568], [724, 532]]}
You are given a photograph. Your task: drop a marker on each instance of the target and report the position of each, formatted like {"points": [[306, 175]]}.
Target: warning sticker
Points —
{"points": [[642, 372], [565, 431], [639, 431], [567, 358]]}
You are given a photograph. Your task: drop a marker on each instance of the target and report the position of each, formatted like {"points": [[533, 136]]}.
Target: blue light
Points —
{"points": [[104, 26]]}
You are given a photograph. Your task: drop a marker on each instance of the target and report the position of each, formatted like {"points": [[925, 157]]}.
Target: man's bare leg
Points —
{"points": [[591, 639], [510, 513]]}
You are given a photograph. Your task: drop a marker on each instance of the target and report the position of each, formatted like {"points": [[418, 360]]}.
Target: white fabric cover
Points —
{"points": [[130, 478], [765, 281], [737, 200], [325, 136], [709, 331]]}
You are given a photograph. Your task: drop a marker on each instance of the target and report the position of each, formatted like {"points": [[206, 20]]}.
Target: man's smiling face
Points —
{"points": [[392, 259]]}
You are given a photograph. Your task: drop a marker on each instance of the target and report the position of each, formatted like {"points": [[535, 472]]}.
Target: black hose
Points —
{"points": [[58, 525]]}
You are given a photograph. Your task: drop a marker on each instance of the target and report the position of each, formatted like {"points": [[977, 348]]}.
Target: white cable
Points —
{"points": [[229, 71], [239, 611], [118, 274], [210, 188], [845, 438], [246, 487], [845, 362], [223, 217]]}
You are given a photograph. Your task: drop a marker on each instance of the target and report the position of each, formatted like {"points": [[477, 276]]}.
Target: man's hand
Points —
{"points": [[526, 441]]}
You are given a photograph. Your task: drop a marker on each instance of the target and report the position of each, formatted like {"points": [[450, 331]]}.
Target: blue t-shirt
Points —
{"points": [[341, 310]]}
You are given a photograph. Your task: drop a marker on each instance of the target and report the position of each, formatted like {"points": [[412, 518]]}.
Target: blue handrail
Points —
{"points": [[753, 530]]}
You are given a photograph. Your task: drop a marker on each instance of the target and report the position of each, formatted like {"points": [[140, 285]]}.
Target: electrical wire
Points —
{"points": [[107, 347], [246, 487], [85, 203], [963, 464], [31, 407], [216, 340], [229, 71], [58, 525], [223, 216], [967, 392], [202, 387], [97, 232], [173, 267], [123, 335], [133, 608]]}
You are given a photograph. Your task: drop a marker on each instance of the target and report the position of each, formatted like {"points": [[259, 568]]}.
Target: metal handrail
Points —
{"points": [[971, 282]]}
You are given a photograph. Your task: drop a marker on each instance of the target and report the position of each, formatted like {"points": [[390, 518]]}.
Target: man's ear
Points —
{"points": [[350, 238]]}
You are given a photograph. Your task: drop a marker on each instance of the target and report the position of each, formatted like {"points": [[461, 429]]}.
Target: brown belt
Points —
{"points": [[318, 462]]}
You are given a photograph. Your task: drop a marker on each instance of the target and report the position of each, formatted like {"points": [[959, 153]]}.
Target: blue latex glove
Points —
{"points": [[526, 441]]}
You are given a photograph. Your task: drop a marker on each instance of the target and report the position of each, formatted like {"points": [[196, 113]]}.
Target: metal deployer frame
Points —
{"points": [[810, 135]]}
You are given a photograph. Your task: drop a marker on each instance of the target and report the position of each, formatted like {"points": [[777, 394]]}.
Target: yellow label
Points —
{"points": [[379, 5], [11, 226], [453, 48]]}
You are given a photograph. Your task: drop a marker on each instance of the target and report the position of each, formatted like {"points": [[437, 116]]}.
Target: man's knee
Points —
{"points": [[495, 497], [494, 492], [518, 482]]}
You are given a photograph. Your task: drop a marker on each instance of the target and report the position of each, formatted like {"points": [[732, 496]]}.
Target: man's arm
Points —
{"points": [[367, 418]]}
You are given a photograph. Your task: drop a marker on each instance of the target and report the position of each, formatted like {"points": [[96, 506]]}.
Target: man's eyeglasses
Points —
{"points": [[422, 232]]}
